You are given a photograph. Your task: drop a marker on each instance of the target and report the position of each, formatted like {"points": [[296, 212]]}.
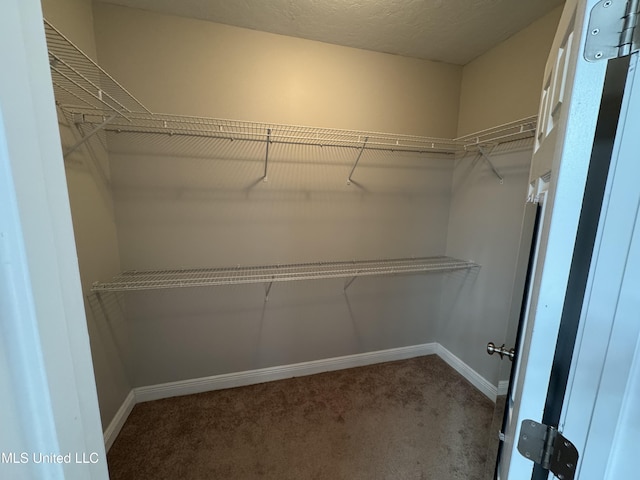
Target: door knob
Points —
{"points": [[491, 349]]}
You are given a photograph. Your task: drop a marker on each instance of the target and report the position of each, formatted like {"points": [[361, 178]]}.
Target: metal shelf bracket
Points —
{"points": [[349, 281], [267, 289], [366, 139], [93, 131], [266, 158], [485, 155]]}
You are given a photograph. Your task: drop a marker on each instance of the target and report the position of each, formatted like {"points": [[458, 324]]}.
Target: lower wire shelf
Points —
{"points": [[203, 277]]}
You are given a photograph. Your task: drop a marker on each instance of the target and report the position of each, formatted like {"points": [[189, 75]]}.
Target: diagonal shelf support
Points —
{"points": [[348, 282], [95, 130], [485, 155], [266, 158], [267, 290], [366, 139]]}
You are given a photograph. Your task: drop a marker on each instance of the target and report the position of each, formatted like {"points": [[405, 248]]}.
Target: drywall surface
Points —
{"points": [[192, 67], [203, 203], [185, 202], [485, 224], [505, 83], [93, 221]]}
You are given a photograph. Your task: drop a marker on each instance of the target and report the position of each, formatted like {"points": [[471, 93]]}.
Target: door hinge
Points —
{"points": [[612, 31], [546, 446]]}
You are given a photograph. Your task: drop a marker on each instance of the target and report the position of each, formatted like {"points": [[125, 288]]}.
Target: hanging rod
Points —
{"points": [[267, 274]]}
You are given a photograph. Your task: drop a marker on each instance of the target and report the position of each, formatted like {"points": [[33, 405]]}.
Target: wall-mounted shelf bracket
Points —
{"points": [[357, 159], [267, 289], [266, 158], [348, 282], [93, 131], [485, 155]]}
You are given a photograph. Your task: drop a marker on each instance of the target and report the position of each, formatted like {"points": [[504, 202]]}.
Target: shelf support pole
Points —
{"points": [[357, 159], [266, 158], [485, 155], [95, 130]]}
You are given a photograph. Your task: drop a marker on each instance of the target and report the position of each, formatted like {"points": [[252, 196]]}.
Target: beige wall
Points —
{"points": [[206, 205], [484, 226], [93, 222], [185, 66], [201, 202], [504, 84], [74, 18]]}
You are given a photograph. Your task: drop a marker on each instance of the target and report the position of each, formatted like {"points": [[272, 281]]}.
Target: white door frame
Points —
{"points": [[599, 411], [45, 359], [569, 110]]}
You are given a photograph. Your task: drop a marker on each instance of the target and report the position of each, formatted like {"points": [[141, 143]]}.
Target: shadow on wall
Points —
{"points": [[192, 210], [176, 334]]}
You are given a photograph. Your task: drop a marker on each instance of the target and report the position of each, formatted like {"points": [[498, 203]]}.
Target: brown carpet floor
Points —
{"points": [[411, 419]]}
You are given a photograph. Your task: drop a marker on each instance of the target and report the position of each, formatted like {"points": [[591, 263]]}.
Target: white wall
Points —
{"points": [[192, 67], [204, 205], [500, 86], [201, 203], [93, 220], [484, 226], [180, 211], [504, 84]]}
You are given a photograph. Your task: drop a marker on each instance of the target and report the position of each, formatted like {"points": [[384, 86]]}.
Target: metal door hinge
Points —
{"points": [[612, 31], [546, 446]]}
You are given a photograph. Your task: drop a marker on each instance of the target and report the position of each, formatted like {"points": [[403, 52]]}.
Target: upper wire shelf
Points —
{"points": [[96, 100], [507, 132], [204, 277], [166, 124], [79, 82]]}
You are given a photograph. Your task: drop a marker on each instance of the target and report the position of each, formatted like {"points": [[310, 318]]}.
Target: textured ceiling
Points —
{"points": [[453, 31]]}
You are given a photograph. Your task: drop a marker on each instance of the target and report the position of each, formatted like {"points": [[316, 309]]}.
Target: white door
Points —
{"points": [[569, 109], [601, 412]]}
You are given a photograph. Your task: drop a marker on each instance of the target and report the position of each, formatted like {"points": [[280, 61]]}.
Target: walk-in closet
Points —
{"points": [[250, 207]]}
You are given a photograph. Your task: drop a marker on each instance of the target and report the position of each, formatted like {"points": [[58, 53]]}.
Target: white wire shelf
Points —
{"points": [[507, 132], [267, 274], [170, 125], [95, 100], [80, 82]]}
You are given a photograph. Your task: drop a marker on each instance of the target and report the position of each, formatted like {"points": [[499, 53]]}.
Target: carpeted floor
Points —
{"points": [[411, 419]]}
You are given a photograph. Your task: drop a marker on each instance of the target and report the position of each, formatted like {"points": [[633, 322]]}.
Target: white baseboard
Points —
{"points": [[503, 387], [467, 372], [119, 418], [252, 377]]}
